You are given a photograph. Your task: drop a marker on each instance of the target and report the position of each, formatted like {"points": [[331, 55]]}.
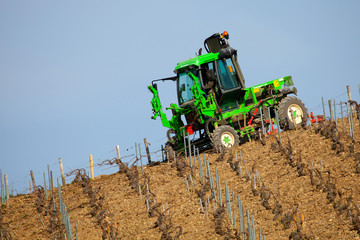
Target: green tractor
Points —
{"points": [[218, 109]]}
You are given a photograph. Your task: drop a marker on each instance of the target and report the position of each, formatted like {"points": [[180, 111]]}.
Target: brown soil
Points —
{"points": [[314, 205]]}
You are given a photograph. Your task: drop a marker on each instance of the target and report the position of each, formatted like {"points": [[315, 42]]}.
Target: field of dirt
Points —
{"points": [[304, 187]]}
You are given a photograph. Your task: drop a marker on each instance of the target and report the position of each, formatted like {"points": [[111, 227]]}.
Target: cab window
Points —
{"points": [[227, 74]]}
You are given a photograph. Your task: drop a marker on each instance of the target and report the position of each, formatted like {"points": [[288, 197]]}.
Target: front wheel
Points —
{"points": [[225, 137], [292, 113]]}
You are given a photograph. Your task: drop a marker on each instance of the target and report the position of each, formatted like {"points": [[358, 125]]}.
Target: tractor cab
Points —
{"points": [[217, 72]]}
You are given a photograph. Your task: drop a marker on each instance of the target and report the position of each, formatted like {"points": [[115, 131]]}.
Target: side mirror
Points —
{"points": [[210, 74]]}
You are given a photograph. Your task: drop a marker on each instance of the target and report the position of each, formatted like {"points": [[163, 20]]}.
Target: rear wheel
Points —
{"points": [[225, 137], [292, 113]]}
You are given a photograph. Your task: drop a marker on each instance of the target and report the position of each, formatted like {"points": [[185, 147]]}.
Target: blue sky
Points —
{"points": [[74, 74]]}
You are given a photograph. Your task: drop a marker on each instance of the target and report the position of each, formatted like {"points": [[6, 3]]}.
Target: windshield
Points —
{"points": [[185, 84], [227, 73]]}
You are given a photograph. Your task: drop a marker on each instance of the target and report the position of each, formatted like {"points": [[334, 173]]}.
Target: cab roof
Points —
{"points": [[196, 61]]}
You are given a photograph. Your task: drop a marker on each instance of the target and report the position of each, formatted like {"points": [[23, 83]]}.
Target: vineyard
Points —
{"points": [[302, 186]]}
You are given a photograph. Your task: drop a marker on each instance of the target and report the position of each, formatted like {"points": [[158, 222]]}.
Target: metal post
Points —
{"points": [[189, 145], [335, 118], [277, 123], [352, 122], [323, 105], [233, 209], [7, 190], [142, 169], [342, 117], [184, 144], [201, 170], [162, 153], [147, 150], [249, 225], [45, 188], [2, 187], [349, 118], [271, 126], [49, 178], [262, 121]]}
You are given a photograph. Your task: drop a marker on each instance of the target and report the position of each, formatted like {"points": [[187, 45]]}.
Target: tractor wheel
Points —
{"points": [[225, 137], [292, 113], [169, 151]]}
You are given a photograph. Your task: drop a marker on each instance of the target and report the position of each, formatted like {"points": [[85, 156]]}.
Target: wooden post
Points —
{"points": [[147, 150], [62, 172], [33, 179], [118, 155], [118, 152], [91, 166], [350, 98], [162, 153], [331, 112], [7, 190], [323, 105], [51, 183]]}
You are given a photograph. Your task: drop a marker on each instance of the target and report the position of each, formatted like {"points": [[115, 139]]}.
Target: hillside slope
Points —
{"points": [[306, 187]]}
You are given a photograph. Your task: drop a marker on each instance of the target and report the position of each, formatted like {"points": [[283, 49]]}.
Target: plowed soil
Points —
{"points": [[322, 203]]}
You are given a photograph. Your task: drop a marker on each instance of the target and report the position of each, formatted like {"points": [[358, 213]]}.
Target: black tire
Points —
{"points": [[225, 137], [286, 120]]}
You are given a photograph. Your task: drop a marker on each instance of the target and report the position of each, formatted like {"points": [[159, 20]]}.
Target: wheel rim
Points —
{"points": [[227, 139], [295, 113]]}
